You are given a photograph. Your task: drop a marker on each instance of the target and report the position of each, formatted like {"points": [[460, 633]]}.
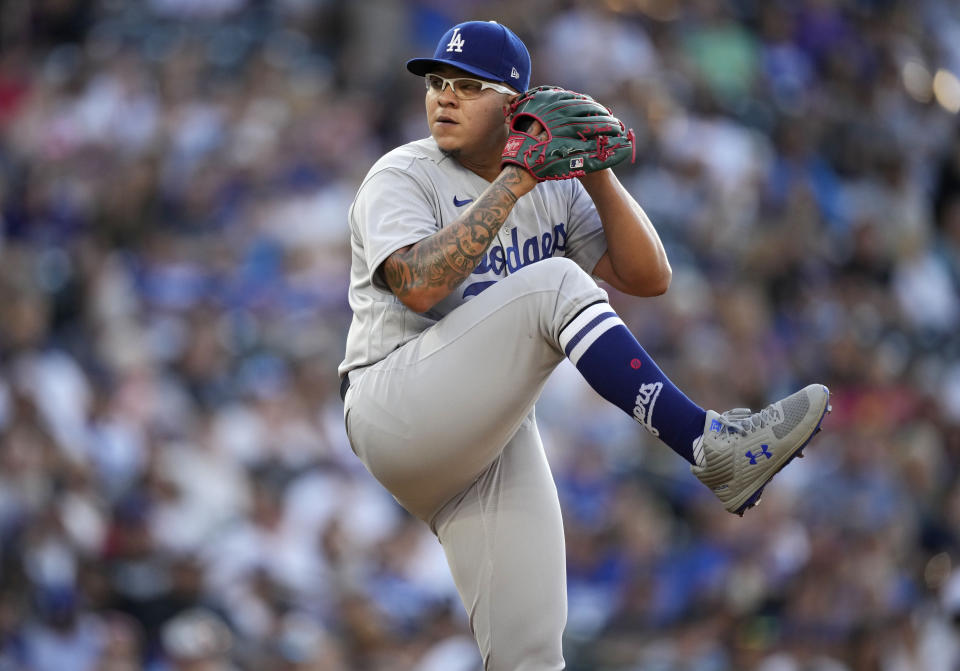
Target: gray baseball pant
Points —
{"points": [[446, 424]]}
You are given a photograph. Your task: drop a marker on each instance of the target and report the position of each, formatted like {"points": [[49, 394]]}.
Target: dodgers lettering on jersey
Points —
{"points": [[416, 190], [499, 262]]}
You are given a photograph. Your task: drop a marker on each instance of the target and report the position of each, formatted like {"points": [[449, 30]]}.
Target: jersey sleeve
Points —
{"points": [[392, 210], [586, 241]]}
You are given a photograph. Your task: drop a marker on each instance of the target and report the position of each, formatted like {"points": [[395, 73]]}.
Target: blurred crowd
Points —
{"points": [[176, 489]]}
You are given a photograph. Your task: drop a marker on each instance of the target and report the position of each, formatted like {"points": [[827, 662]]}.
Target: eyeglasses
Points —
{"points": [[465, 88]]}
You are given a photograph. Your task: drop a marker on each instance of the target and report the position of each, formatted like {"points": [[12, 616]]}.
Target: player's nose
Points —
{"points": [[447, 96]]}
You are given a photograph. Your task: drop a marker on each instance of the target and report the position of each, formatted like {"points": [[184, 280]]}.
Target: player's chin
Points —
{"points": [[446, 140]]}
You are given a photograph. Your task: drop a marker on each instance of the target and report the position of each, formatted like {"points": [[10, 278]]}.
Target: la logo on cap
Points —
{"points": [[456, 42]]}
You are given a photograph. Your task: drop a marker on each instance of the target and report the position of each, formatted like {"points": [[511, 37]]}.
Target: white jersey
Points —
{"points": [[414, 191]]}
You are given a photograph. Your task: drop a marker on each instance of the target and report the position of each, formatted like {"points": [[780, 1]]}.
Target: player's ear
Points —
{"points": [[508, 105]]}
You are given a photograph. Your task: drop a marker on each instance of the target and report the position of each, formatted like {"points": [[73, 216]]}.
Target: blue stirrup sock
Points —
{"points": [[612, 361]]}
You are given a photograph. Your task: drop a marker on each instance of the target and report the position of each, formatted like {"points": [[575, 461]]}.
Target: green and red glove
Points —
{"points": [[579, 136]]}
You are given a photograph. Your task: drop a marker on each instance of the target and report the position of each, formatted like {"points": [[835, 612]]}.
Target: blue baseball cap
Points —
{"points": [[482, 48]]}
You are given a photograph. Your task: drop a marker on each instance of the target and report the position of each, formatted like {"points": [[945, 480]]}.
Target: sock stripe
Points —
{"points": [[578, 327], [581, 319], [587, 330], [589, 336]]}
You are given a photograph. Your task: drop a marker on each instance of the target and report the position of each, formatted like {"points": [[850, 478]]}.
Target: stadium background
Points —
{"points": [[176, 491]]}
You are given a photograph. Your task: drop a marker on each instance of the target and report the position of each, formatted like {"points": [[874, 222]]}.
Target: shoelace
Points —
{"points": [[741, 421]]}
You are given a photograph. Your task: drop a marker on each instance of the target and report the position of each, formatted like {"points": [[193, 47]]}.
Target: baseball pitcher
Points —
{"points": [[476, 255]]}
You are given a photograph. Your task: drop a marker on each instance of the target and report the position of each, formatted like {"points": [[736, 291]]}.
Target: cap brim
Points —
{"points": [[421, 66]]}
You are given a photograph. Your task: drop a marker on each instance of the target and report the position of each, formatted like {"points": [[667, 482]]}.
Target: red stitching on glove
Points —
{"points": [[566, 175], [603, 151]]}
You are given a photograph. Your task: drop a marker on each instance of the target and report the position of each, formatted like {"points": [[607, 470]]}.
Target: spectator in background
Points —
{"points": [[197, 640]]}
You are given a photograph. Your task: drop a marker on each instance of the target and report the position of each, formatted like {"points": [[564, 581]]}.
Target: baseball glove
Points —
{"points": [[580, 135]]}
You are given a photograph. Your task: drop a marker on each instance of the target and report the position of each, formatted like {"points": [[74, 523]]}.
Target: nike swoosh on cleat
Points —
{"points": [[461, 203]]}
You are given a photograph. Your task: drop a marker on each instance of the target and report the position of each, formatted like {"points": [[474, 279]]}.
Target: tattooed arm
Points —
{"points": [[423, 274]]}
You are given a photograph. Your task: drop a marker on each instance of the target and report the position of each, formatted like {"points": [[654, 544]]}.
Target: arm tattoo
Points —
{"points": [[447, 257]]}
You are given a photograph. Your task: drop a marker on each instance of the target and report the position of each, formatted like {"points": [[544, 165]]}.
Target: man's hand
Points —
{"points": [[521, 180]]}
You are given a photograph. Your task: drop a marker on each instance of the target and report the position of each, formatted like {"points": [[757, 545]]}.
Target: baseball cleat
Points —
{"points": [[740, 451]]}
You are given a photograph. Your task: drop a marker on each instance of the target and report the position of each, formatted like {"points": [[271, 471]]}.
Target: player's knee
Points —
{"points": [[556, 289], [558, 270], [560, 265], [574, 282]]}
